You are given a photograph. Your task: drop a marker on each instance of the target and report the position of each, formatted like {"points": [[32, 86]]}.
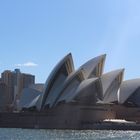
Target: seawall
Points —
{"points": [[40, 121]]}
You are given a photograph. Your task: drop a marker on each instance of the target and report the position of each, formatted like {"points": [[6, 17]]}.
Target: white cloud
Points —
{"points": [[27, 64]]}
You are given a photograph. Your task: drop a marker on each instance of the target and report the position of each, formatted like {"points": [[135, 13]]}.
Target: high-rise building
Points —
{"points": [[16, 81], [23, 81], [5, 98], [7, 77]]}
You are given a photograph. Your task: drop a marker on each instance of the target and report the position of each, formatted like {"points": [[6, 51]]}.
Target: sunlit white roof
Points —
{"points": [[57, 81], [33, 103], [29, 98], [127, 88], [88, 88], [93, 67], [108, 78], [57, 78], [70, 86], [111, 82]]}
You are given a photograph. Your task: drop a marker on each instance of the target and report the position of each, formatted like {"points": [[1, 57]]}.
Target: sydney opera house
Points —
{"points": [[79, 98]]}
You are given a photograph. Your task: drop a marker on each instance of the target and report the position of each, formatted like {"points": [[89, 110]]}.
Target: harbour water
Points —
{"points": [[34, 134]]}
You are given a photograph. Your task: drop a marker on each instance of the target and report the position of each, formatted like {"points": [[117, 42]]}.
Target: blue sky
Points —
{"points": [[36, 34]]}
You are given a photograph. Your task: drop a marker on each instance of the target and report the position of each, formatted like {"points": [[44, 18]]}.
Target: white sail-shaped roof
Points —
{"points": [[56, 79], [127, 88], [29, 98], [94, 67], [70, 78], [89, 91], [33, 103], [111, 82], [70, 86]]}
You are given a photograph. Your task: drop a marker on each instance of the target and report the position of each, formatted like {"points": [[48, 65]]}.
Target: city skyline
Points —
{"points": [[35, 35]]}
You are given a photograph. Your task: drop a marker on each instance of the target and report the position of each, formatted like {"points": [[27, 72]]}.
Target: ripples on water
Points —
{"points": [[34, 134]]}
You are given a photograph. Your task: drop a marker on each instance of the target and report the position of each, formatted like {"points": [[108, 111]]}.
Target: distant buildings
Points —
{"points": [[5, 98], [12, 84]]}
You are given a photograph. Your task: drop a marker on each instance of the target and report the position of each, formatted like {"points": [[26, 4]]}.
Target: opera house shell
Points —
{"points": [[65, 84], [130, 93], [82, 96], [111, 82]]}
